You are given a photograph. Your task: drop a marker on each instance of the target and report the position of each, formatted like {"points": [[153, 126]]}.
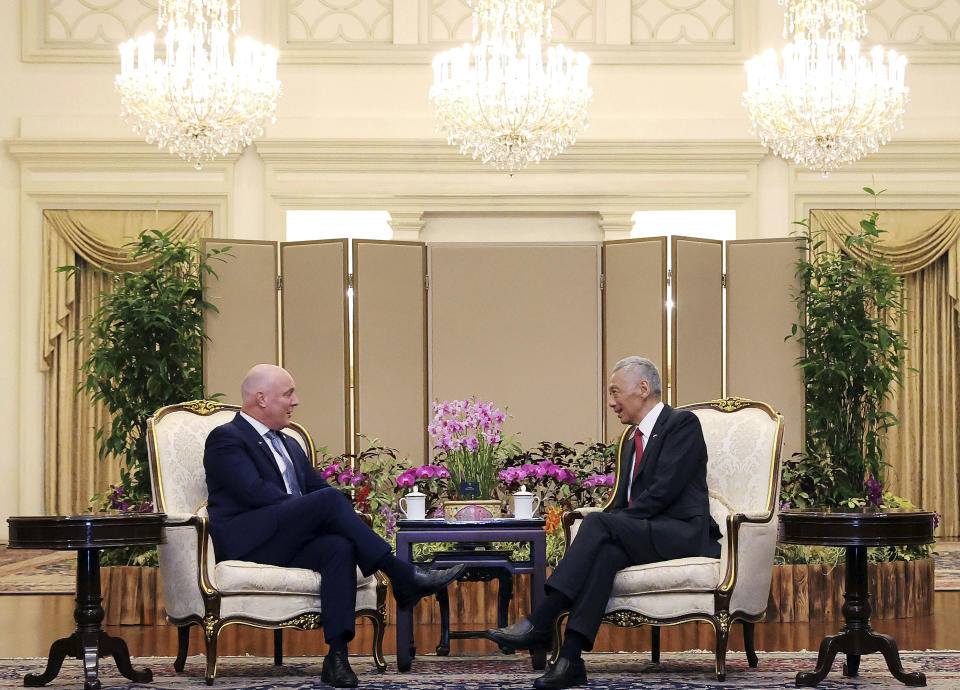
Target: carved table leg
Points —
{"points": [[857, 638], [443, 599], [404, 616], [117, 648], [65, 646]]}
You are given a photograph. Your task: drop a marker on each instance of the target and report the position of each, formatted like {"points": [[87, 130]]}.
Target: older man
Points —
{"points": [[268, 504], [660, 512]]}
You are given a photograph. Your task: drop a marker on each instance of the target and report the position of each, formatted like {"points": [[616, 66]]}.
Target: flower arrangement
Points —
{"points": [[120, 499], [431, 480], [467, 434]]}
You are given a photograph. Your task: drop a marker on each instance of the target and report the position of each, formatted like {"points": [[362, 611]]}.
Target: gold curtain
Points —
{"points": [[92, 240], [924, 451]]}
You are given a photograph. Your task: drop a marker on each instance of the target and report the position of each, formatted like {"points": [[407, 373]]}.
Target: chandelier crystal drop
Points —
{"points": [[830, 105], [199, 102], [502, 98]]}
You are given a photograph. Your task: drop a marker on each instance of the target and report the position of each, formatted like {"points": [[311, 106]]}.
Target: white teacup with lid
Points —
{"points": [[525, 503], [414, 505]]}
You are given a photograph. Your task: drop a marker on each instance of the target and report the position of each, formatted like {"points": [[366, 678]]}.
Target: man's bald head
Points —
{"points": [[268, 394]]}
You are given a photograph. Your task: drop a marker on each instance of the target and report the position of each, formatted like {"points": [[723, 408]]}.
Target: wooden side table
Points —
{"points": [[87, 534], [857, 530], [468, 535]]}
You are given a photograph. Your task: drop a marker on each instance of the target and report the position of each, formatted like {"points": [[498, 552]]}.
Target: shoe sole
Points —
{"points": [[538, 646]]}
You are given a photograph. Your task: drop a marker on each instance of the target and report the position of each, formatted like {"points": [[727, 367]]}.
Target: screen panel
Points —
{"points": [[315, 337], [519, 326], [634, 307], [245, 330], [697, 362], [390, 345], [760, 311]]}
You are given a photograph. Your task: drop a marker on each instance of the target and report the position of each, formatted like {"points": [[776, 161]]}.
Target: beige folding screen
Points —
{"points": [[634, 307], [244, 330], [519, 325], [390, 345], [760, 310], [315, 336], [697, 329]]}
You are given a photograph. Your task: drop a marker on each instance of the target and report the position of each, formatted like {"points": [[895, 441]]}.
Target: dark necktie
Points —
{"points": [[287, 464], [638, 441]]}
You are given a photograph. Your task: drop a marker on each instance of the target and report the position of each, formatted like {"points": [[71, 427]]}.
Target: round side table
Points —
{"points": [[857, 530], [87, 534]]}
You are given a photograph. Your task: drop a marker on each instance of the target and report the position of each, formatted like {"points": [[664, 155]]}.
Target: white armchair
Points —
{"points": [[743, 440], [197, 589]]}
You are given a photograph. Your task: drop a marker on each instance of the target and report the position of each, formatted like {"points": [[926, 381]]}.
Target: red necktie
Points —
{"points": [[638, 441]]}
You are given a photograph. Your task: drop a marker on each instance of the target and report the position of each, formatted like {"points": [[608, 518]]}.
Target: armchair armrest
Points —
{"points": [[751, 540], [571, 519]]}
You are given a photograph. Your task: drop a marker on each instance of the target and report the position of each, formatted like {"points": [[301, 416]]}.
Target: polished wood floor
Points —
{"points": [[33, 621]]}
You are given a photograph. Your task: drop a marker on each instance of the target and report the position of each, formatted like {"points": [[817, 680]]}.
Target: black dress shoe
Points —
{"points": [[337, 672], [424, 583], [562, 674], [520, 635]]}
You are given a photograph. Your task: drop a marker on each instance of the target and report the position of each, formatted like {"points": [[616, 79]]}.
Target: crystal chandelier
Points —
{"points": [[500, 98], [830, 105], [198, 102]]}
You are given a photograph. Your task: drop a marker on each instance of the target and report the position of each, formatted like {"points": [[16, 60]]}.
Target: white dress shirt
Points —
{"points": [[262, 429], [644, 429]]}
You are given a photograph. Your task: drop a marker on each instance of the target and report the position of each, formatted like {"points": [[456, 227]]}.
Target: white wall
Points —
{"points": [[356, 136]]}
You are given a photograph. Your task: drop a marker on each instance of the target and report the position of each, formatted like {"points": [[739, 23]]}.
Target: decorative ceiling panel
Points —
{"points": [[325, 22], [82, 30], [684, 22], [450, 21], [574, 21], [924, 30]]}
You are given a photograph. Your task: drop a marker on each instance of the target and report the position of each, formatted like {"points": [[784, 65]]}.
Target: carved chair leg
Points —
{"points": [[278, 647], [655, 644], [183, 644], [558, 635], [379, 628], [748, 643], [211, 638], [723, 635]]}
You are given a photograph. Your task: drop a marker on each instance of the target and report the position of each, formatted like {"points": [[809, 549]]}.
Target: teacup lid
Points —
{"points": [[416, 492], [523, 491]]}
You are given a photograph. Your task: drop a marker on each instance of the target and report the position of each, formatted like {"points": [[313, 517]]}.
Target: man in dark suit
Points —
{"points": [[660, 512], [268, 504]]}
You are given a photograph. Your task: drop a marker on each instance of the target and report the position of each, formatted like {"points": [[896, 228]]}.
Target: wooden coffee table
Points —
{"points": [[857, 530], [87, 534]]}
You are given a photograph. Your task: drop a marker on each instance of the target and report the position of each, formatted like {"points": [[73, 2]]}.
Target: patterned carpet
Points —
{"points": [[54, 572], [678, 671]]}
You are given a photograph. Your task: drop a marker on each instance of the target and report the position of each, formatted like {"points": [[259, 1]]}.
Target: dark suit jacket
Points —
{"points": [[245, 486], [670, 490]]}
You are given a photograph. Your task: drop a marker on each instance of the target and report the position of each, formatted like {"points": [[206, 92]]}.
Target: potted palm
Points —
{"points": [[853, 356], [144, 342]]}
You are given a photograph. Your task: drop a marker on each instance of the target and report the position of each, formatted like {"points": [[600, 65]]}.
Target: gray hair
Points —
{"points": [[644, 368]]}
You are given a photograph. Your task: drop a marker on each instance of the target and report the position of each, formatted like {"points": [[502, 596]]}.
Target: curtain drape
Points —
{"points": [[924, 450], [92, 240]]}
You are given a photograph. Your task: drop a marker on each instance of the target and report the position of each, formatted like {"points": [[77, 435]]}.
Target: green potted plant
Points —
{"points": [[144, 339], [853, 356]]}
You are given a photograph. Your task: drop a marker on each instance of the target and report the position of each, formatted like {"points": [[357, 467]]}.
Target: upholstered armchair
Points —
{"points": [[743, 440], [197, 589]]}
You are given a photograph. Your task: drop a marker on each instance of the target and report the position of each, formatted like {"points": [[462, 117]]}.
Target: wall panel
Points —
{"points": [[634, 307], [315, 337], [697, 362], [760, 311], [244, 331], [519, 326], [390, 344]]}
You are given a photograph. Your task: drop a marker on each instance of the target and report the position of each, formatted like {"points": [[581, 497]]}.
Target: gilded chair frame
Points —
{"points": [[212, 622], [722, 618]]}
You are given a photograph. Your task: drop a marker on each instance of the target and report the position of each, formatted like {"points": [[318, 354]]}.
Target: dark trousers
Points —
{"points": [[321, 531], [605, 543]]}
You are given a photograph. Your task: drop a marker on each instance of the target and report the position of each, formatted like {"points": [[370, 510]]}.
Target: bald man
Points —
{"points": [[268, 504]]}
